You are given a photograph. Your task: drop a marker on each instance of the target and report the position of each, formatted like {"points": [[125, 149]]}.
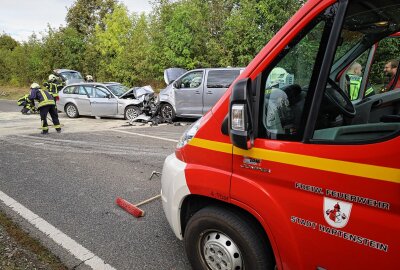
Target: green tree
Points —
{"points": [[111, 42], [85, 15], [7, 42], [63, 48], [252, 24]]}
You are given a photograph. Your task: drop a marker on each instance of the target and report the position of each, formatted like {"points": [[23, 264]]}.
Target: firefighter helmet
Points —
{"points": [[52, 77], [89, 78], [35, 86]]}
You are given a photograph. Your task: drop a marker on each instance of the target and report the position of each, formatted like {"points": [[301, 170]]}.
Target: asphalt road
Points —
{"points": [[9, 106], [72, 180]]}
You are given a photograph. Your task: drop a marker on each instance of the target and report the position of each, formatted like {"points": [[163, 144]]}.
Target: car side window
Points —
{"points": [[286, 83], [90, 90], [81, 91], [191, 80], [221, 78], [101, 93], [69, 90]]}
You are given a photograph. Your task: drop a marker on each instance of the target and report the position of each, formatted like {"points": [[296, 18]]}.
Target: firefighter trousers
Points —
{"points": [[54, 117]]}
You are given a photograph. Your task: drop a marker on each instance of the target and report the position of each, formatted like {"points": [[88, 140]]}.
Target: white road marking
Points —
{"points": [[77, 250], [144, 135]]}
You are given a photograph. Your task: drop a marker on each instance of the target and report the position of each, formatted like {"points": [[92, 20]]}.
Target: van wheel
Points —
{"points": [[71, 110], [167, 112], [131, 112], [216, 238]]}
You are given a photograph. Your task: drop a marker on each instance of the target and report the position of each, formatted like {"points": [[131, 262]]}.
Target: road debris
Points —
{"points": [[134, 209]]}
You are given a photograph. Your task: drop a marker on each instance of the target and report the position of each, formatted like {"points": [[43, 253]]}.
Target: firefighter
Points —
{"points": [[354, 78], [53, 86], [28, 105], [46, 105], [89, 78]]}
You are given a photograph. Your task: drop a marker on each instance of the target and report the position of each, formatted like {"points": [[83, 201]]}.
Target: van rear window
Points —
{"points": [[221, 78]]}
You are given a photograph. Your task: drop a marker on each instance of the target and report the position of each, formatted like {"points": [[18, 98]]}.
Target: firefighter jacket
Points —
{"points": [[44, 97], [26, 102], [53, 87], [354, 87]]}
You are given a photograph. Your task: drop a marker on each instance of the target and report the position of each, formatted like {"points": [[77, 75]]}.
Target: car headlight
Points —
{"points": [[189, 134]]}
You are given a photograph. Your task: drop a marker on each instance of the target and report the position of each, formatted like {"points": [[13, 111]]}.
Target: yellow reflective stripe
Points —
{"points": [[212, 145], [57, 126], [44, 95], [47, 102], [311, 162], [369, 91]]}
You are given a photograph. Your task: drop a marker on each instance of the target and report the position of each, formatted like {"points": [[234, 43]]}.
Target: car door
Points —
{"points": [[217, 82], [329, 190], [188, 92], [82, 100], [103, 103]]}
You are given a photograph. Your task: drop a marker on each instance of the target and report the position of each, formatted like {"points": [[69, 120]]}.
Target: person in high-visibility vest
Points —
{"points": [[46, 105], [53, 86], [354, 79], [28, 105]]}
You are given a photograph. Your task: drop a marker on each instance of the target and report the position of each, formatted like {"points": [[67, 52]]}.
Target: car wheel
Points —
{"points": [[216, 238], [71, 110], [131, 112], [167, 112]]}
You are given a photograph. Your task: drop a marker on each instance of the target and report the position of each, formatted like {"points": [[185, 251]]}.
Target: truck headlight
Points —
{"points": [[189, 134]]}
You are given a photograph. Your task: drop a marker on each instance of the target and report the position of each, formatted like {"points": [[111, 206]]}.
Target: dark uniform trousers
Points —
{"points": [[54, 117]]}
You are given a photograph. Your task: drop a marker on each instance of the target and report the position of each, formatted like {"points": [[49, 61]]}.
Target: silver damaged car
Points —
{"points": [[103, 99]]}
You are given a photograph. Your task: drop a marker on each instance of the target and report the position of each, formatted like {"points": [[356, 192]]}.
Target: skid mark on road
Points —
{"points": [[145, 135], [79, 146], [74, 248]]}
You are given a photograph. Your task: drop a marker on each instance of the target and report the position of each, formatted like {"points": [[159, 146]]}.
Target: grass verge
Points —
{"points": [[13, 93], [22, 241]]}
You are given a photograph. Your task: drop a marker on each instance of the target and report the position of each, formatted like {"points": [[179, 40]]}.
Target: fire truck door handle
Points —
{"points": [[197, 92], [209, 93], [377, 103]]}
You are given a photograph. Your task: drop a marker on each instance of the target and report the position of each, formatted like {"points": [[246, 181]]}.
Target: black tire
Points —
{"points": [[167, 112], [131, 112], [216, 238], [71, 110]]}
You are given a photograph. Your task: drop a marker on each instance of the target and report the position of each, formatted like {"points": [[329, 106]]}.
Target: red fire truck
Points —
{"points": [[287, 171]]}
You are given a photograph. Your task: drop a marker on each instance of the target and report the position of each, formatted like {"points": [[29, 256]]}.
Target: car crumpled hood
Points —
{"points": [[128, 92]]}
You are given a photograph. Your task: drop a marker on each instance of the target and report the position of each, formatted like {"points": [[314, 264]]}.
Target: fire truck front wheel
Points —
{"points": [[217, 238]]}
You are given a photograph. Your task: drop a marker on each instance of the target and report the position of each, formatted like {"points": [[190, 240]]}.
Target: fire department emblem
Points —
{"points": [[336, 213]]}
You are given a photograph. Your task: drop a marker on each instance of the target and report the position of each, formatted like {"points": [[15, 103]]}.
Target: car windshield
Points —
{"points": [[68, 75], [118, 89]]}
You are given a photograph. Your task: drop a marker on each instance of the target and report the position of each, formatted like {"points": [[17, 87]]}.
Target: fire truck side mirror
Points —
{"points": [[240, 116]]}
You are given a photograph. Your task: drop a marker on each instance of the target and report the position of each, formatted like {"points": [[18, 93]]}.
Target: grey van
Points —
{"points": [[192, 93]]}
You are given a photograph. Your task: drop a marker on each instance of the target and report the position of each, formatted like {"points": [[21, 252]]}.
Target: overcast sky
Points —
{"points": [[20, 18]]}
